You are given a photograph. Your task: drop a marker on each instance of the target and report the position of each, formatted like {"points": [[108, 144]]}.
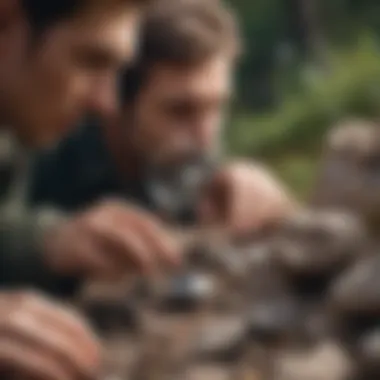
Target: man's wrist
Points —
{"points": [[24, 261], [48, 221]]}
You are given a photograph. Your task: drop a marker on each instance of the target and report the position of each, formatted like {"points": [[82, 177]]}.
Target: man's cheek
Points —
{"points": [[165, 151], [211, 138]]}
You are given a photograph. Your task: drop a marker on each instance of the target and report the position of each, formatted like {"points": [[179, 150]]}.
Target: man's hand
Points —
{"points": [[40, 340], [109, 241], [243, 198]]}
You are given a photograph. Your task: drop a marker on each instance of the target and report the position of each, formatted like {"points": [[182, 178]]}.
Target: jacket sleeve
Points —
{"points": [[21, 261]]}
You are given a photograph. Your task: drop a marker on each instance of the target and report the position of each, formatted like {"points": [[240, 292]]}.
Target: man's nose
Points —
{"points": [[103, 98], [204, 133]]}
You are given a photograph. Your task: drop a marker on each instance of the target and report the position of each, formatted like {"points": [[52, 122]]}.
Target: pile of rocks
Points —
{"points": [[301, 303]]}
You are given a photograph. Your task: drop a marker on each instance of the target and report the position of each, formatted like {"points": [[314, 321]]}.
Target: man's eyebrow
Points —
{"points": [[102, 54]]}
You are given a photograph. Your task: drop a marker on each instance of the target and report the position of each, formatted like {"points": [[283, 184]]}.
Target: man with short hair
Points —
{"points": [[162, 153], [58, 60], [174, 98]]}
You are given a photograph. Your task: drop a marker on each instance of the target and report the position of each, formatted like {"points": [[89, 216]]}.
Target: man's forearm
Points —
{"points": [[21, 247]]}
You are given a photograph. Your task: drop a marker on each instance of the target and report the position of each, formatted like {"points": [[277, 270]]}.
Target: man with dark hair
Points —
{"points": [[175, 93], [58, 60], [162, 152]]}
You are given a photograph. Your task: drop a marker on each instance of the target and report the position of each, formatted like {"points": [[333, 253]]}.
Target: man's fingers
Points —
{"points": [[249, 207], [27, 362], [132, 250], [120, 240], [116, 238], [163, 245], [96, 259], [52, 334], [51, 343], [215, 207], [67, 320], [44, 341], [137, 237]]}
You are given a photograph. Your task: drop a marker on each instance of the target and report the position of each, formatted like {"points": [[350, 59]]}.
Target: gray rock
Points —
{"points": [[207, 372], [186, 292], [273, 320], [357, 291], [326, 361], [368, 351], [221, 339], [109, 307], [349, 176], [313, 242]]}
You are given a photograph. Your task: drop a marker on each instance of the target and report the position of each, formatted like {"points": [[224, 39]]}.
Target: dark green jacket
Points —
{"points": [[79, 172], [63, 180], [21, 228]]}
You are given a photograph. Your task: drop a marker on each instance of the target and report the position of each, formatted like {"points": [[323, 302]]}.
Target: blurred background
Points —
{"points": [[307, 64]]}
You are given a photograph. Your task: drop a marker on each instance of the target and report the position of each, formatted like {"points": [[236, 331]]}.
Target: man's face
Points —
{"points": [[180, 110], [49, 81]]}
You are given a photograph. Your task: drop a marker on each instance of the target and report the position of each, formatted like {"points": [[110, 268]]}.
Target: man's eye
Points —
{"points": [[93, 61], [181, 110]]}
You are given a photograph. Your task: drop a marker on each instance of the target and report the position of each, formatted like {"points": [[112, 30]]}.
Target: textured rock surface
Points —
{"points": [[299, 304]]}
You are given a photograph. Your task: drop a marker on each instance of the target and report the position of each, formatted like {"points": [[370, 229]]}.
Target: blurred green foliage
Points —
{"points": [[350, 86], [302, 97]]}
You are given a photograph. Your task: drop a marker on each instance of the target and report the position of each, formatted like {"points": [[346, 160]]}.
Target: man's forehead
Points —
{"points": [[111, 32], [213, 76]]}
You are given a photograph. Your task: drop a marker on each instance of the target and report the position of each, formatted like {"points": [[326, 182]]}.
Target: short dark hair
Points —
{"points": [[43, 13], [181, 32]]}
